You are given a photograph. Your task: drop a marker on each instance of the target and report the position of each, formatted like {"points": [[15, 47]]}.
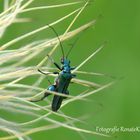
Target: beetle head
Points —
{"points": [[65, 61]]}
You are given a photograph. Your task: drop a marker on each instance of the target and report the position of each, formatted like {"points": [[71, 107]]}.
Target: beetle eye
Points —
{"points": [[62, 60]]}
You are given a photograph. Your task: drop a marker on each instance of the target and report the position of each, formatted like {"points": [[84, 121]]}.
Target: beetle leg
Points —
{"points": [[50, 88], [37, 100], [73, 75], [72, 68], [48, 72], [57, 66], [46, 94]]}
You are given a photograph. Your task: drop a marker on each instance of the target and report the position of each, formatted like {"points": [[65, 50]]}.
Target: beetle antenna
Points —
{"points": [[58, 39], [73, 44]]}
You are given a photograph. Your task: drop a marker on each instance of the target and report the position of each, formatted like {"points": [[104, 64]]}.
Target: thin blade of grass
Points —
{"points": [[87, 59], [36, 31], [50, 6]]}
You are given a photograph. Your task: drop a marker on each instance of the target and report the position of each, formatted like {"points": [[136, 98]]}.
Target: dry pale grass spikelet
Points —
{"points": [[13, 71]]}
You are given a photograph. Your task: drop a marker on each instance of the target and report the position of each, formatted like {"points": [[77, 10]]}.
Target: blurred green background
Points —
{"points": [[120, 27]]}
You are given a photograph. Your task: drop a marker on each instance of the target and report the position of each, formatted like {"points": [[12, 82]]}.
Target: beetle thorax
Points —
{"points": [[66, 66]]}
